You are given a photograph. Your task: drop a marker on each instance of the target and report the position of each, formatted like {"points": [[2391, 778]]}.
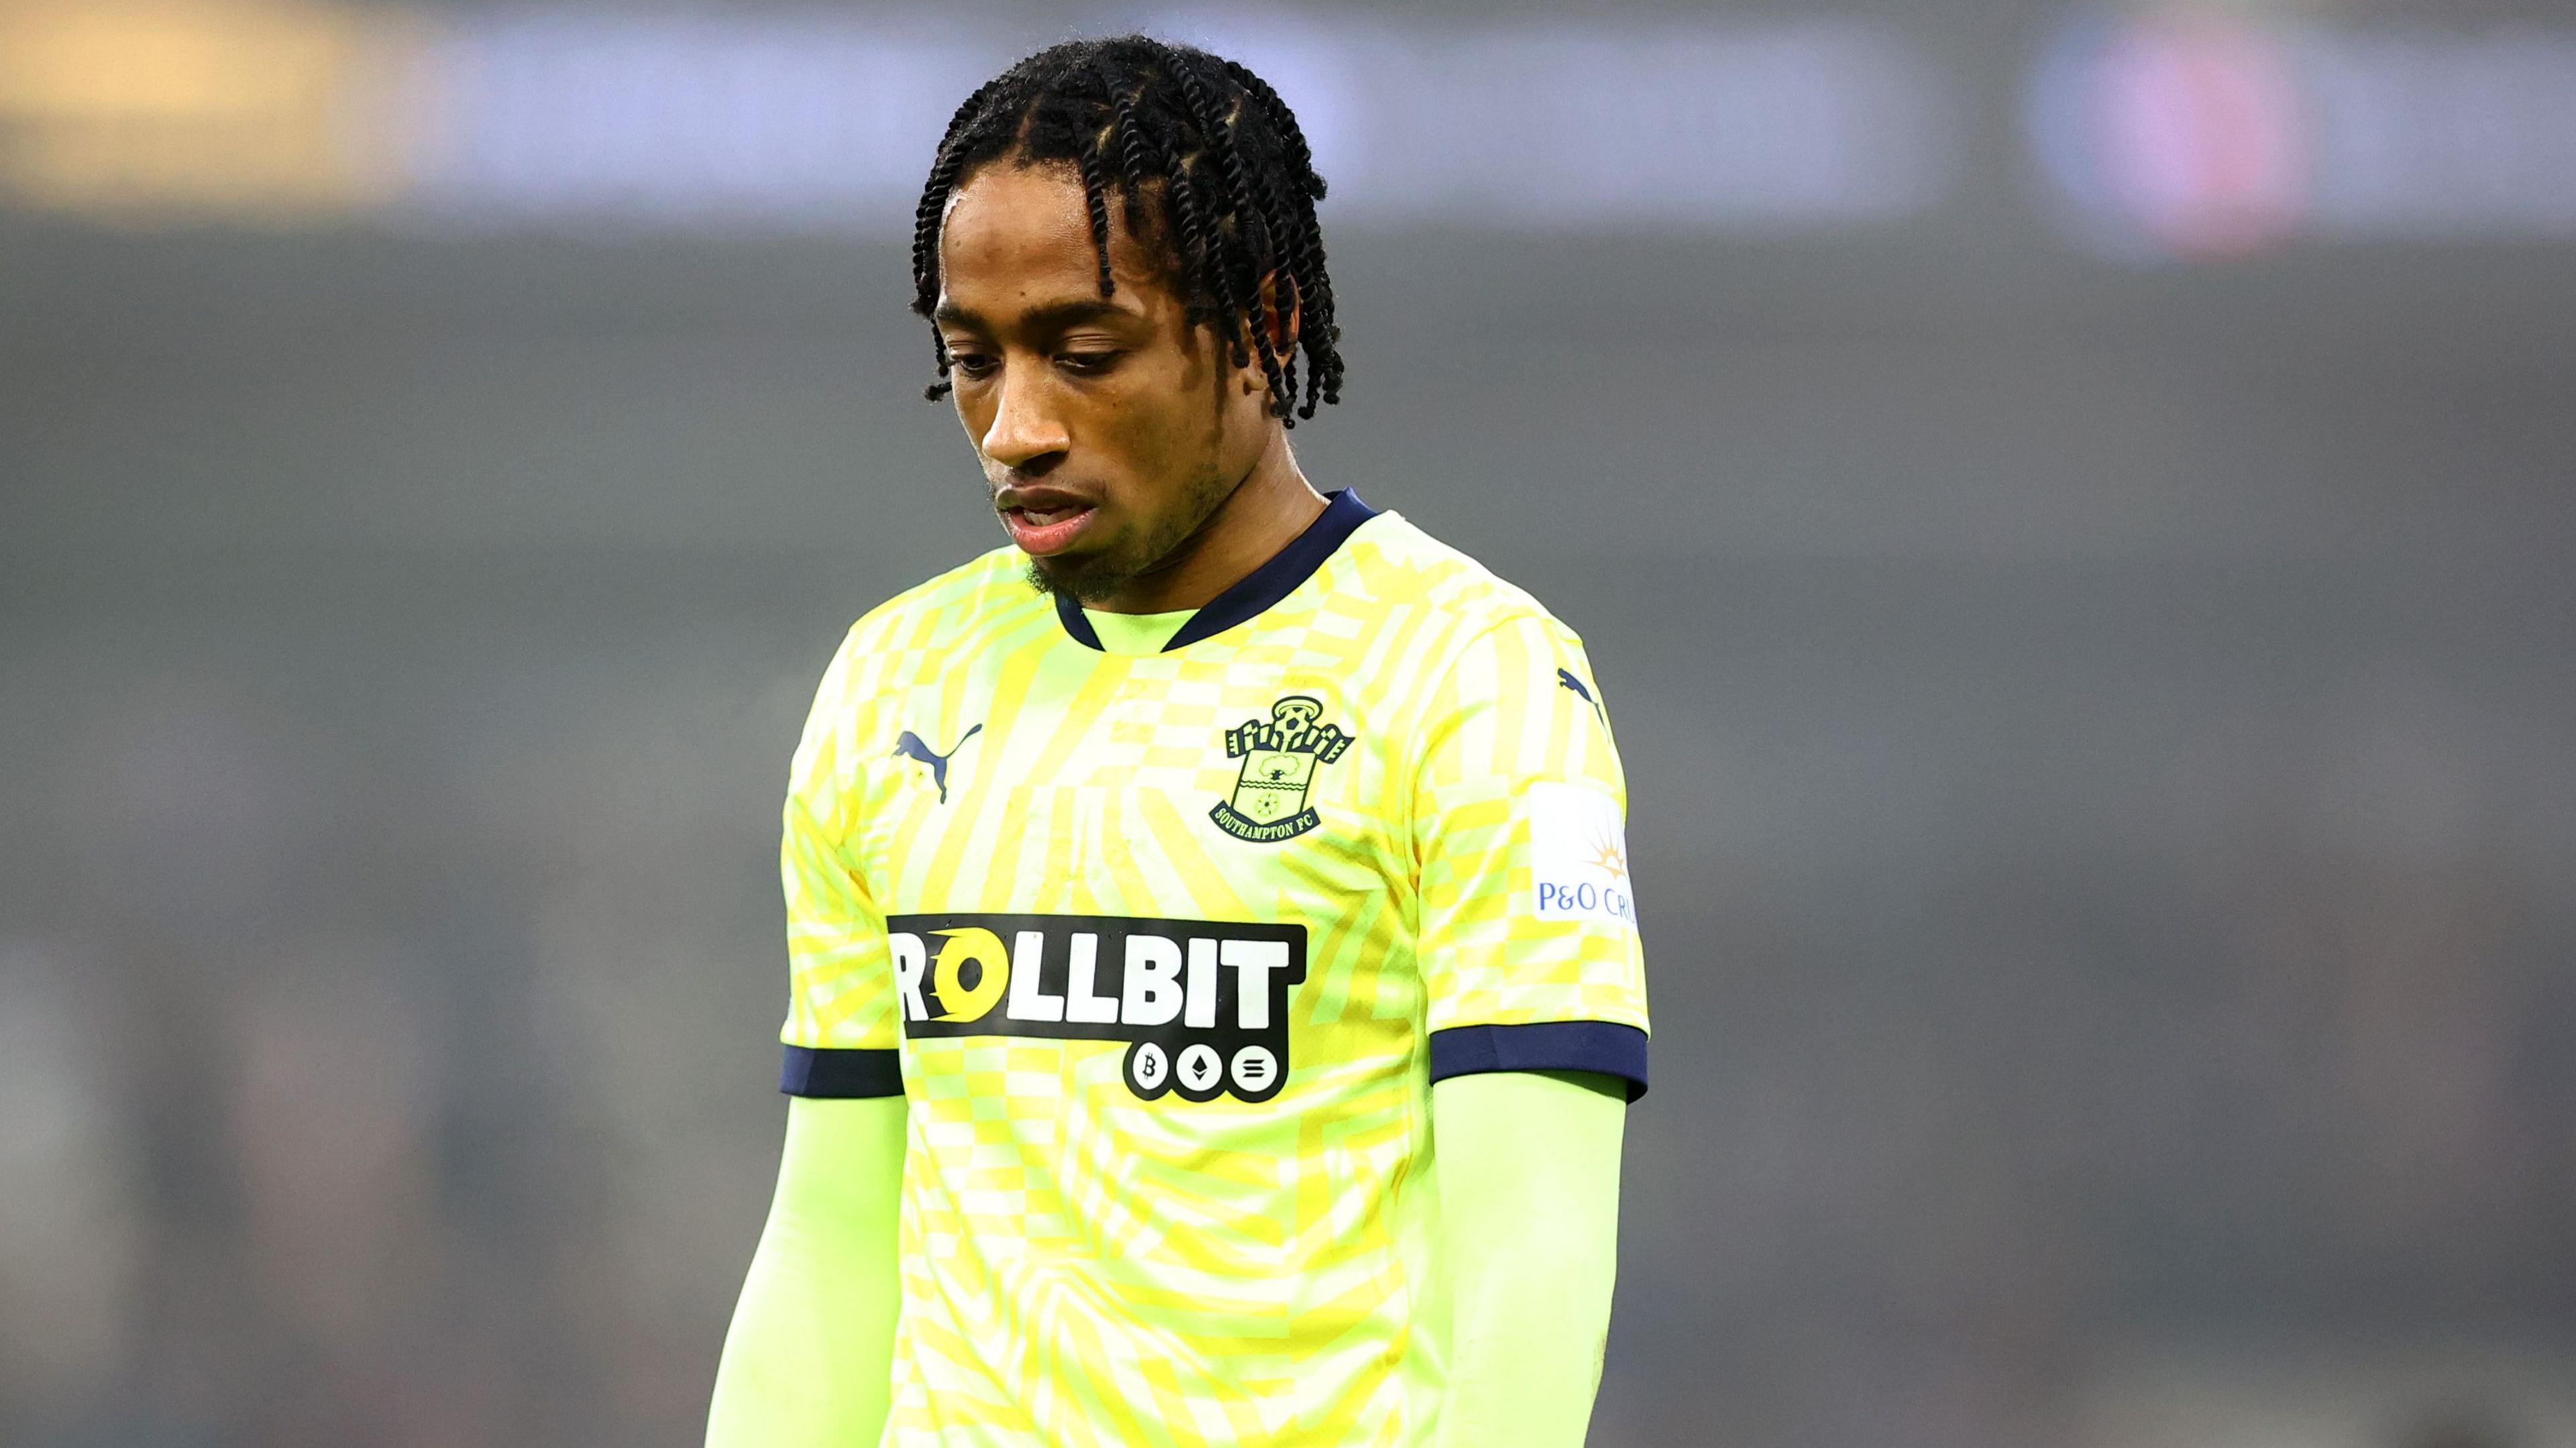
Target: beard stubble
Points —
{"points": [[1096, 577]]}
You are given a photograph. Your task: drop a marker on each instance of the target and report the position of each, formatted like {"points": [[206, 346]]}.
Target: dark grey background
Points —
{"points": [[2103, 744]]}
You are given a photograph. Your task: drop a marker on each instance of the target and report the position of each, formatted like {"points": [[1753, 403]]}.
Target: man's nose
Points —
{"points": [[1025, 431]]}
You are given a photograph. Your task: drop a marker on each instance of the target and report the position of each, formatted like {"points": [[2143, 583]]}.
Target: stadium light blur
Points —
{"points": [[2195, 136], [138, 111], [572, 118], [2192, 135]]}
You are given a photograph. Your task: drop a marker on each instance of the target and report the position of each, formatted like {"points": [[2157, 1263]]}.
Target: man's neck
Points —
{"points": [[1263, 515]]}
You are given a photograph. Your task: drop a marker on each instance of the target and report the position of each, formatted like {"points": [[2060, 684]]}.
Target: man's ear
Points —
{"points": [[1280, 320], [1280, 323]]}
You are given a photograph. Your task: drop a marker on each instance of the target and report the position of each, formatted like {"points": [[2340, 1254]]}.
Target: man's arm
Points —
{"points": [[1529, 1208], [808, 1363]]}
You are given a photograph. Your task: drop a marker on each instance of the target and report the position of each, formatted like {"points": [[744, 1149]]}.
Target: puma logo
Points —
{"points": [[908, 745], [1565, 678]]}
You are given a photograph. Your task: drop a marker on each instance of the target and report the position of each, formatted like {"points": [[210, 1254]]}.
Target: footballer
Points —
{"points": [[1215, 986]]}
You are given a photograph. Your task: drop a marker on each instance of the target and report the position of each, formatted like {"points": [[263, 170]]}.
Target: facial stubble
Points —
{"points": [[1097, 577]]}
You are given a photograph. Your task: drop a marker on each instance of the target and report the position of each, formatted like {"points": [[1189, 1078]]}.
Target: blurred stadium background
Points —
{"points": [[2071, 508]]}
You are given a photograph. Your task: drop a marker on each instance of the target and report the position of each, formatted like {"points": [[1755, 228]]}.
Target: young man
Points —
{"points": [[1216, 993]]}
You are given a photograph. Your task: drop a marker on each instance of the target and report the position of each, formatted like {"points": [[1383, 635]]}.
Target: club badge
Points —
{"points": [[1280, 755]]}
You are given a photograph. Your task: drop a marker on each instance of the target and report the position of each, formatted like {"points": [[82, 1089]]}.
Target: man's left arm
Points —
{"points": [[1535, 991], [1529, 1222]]}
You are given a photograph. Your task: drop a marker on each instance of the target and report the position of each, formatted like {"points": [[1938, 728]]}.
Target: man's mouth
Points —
{"points": [[1051, 527]]}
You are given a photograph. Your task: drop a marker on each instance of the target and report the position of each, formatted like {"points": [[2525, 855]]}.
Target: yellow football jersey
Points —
{"points": [[1165, 950]]}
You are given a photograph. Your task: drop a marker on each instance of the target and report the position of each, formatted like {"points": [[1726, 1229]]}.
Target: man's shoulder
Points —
{"points": [[1452, 635], [1398, 565]]}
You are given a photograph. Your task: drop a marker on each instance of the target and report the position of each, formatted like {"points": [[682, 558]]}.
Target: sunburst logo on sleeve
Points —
{"points": [[1606, 852], [1578, 860]]}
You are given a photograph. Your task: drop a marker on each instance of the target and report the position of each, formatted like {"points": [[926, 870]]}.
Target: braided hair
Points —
{"points": [[1204, 156]]}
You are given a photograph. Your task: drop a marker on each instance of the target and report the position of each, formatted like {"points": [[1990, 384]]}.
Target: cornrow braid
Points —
{"points": [[1207, 161], [1220, 188], [1189, 235], [1097, 204], [1306, 243], [1137, 156], [1244, 213], [925, 217], [1197, 244]]}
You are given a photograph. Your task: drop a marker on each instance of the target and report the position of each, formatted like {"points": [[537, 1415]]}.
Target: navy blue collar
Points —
{"points": [[1260, 589]]}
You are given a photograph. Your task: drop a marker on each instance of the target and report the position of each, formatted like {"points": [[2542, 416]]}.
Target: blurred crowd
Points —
{"points": [[2069, 515], [385, 1012]]}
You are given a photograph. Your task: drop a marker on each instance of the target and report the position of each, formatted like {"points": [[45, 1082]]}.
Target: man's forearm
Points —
{"points": [[1529, 1205], [808, 1361]]}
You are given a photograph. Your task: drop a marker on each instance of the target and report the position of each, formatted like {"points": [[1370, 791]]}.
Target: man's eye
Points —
{"points": [[973, 364], [1089, 364]]}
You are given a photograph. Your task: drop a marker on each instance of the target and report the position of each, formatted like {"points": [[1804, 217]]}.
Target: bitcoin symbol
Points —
{"points": [[1147, 1069]]}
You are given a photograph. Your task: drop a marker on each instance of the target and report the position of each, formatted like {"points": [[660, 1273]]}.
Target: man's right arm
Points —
{"points": [[809, 1361]]}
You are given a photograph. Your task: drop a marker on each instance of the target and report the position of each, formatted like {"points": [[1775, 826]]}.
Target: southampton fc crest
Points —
{"points": [[1280, 755]]}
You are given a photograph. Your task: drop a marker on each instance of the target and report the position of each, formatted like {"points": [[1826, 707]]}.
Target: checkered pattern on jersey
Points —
{"points": [[1085, 1266]]}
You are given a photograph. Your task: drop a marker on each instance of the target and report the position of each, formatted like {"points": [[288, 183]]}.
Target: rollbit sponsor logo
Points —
{"points": [[1203, 1004]]}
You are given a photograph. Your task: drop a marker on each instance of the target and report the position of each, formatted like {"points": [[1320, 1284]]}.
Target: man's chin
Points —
{"points": [[1082, 577]]}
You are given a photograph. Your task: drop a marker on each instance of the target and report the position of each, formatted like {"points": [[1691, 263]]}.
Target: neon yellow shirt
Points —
{"points": [[1164, 951]]}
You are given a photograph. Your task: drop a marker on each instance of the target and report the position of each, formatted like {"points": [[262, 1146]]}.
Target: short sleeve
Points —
{"points": [[1527, 938], [841, 1036]]}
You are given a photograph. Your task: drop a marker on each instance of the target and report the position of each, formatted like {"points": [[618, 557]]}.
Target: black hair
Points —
{"points": [[1205, 157]]}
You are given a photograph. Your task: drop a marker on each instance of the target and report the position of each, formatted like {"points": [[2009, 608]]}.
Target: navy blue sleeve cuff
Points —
{"points": [[811, 1072], [1605, 1047]]}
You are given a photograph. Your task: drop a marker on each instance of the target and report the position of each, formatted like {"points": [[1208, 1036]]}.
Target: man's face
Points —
{"points": [[1110, 429]]}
